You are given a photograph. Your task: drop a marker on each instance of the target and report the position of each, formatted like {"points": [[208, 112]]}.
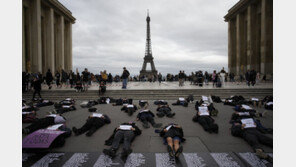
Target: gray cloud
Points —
{"points": [[186, 34]]}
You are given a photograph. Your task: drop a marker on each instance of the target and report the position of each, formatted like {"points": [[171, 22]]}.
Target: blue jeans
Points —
{"points": [[124, 83]]}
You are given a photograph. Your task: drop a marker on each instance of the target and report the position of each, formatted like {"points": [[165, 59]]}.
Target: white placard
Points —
{"points": [[144, 111], [25, 107], [205, 98], [130, 106], [168, 128], [108, 101], [54, 127], [246, 107], [52, 115], [125, 127], [68, 99], [64, 106], [84, 103], [203, 111], [249, 122], [24, 113], [230, 101], [125, 104], [254, 99], [181, 99], [244, 113], [99, 115], [45, 101], [269, 103]]}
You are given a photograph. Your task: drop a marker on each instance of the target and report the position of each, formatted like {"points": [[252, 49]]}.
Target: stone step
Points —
{"points": [[95, 159], [152, 94]]}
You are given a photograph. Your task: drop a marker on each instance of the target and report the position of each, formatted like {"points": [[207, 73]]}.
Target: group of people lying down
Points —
{"points": [[244, 124]]}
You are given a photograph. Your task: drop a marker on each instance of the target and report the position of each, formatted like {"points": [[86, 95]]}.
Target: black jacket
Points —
{"points": [[137, 132], [172, 132]]}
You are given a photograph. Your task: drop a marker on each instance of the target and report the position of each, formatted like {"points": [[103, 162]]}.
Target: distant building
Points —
{"points": [[250, 36], [47, 36]]}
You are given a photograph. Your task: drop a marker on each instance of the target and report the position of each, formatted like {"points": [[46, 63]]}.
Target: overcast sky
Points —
{"points": [[186, 35]]}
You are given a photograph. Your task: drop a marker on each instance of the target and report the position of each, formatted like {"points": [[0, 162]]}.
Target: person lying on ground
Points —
{"points": [[44, 122], [124, 133], [236, 100], [181, 101], [205, 120], [247, 129], [145, 116], [160, 102], [105, 100], [88, 104], [173, 135], [93, 123], [207, 102], [164, 110], [129, 109], [120, 101], [42, 103], [142, 103]]}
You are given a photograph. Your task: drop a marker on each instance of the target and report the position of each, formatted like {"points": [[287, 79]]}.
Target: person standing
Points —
{"points": [[159, 78], [124, 76], [85, 79], [207, 78], [257, 77], [37, 87], [222, 74], [48, 78], [248, 77], [58, 76], [214, 78]]}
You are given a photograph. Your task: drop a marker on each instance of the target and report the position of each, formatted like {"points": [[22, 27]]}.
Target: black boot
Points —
{"points": [[179, 151], [110, 152], [124, 155], [171, 152]]}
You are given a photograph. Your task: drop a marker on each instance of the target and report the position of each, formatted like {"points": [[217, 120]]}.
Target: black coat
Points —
{"points": [[172, 132], [137, 132]]}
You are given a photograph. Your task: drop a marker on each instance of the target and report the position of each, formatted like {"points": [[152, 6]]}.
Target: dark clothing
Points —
{"points": [[136, 132], [160, 102], [164, 111], [85, 76], [172, 132], [92, 124], [252, 136], [125, 74], [37, 87], [58, 76], [41, 124], [182, 103], [207, 122], [48, 78], [129, 110]]}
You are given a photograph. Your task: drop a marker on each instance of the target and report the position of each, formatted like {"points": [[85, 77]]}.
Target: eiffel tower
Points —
{"points": [[148, 54]]}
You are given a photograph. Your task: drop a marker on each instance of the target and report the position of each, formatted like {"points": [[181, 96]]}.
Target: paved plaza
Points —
{"points": [[223, 147], [165, 85]]}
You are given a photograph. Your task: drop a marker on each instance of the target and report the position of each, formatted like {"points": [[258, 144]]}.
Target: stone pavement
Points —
{"points": [[165, 85], [148, 143]]}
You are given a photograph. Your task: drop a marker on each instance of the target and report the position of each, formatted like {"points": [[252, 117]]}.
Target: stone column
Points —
{"points": [[23, 43], [230, 44], [36, 61], [60, 43], [238, 43], [250, 37], [263, 36], [68, 46], [49, 37]]}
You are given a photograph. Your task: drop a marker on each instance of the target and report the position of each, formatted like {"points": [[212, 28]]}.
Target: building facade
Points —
{"points": [[46, 36], [250, 36]]}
